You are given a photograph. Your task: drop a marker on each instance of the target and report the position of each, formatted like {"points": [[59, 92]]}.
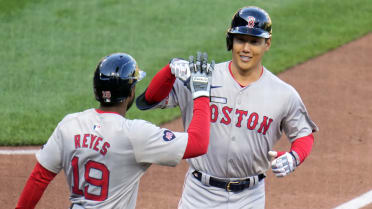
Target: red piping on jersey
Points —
{"points": [[35, 187], [234, 77], [160, 85], [102, 111]]}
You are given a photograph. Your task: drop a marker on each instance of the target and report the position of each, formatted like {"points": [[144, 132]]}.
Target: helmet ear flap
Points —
{"points": [[229, 41]]}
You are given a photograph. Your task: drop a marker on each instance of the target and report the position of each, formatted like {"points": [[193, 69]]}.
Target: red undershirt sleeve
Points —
{"points": [[160, 86], [35, 187], [198, 130], [302, 146]]}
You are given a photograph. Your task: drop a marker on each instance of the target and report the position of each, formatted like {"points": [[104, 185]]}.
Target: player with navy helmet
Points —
{"points": [[250, 110]]}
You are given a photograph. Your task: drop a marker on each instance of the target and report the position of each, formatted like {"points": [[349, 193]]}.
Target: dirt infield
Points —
{"points": [[337, 91]]}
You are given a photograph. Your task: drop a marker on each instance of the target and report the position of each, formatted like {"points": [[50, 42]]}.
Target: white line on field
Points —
{"points": [[357, 202], [18, 152]]}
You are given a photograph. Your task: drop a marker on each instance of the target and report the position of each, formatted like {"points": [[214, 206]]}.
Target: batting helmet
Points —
{"points": [[251, 21], [114, 78]]}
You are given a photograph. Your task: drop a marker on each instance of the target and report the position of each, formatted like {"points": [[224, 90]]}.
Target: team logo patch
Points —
{"points": [[168, 136], [251, 21]]}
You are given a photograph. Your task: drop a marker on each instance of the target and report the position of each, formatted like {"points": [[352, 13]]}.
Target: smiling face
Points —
{"points": [[247, 52]]}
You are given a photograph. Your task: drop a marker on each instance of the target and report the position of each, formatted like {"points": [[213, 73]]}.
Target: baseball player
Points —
{"points": [[250, 109], [103, 154]]}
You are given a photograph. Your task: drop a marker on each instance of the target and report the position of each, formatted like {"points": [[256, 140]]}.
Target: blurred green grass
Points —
{"points": [[49, 49]]}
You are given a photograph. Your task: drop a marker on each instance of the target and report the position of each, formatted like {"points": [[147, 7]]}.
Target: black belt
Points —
{"points": [[77, 206], [230, 186]]}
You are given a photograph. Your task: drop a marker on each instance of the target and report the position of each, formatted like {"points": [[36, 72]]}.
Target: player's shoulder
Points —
{"points": [[220, 72], [137, 129], [138, 124], [221, 67], [72, 116], [279, 85], [72, 119], [275, 80]]}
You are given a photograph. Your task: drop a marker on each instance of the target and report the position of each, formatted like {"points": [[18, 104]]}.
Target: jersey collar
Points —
{"points": [[234, 77], [101, 112]]}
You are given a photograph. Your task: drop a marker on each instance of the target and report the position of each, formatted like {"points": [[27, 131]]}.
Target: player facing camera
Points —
{"points": [[114, 80], [245, 126], [252, 21]]}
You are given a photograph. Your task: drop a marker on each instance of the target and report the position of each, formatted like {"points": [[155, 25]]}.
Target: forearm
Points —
{"points": [[198, 130], [302, 147], [160, 86], [35, 187]]}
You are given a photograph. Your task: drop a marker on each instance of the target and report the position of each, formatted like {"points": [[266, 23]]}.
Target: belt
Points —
{"points": [[231, 186], [76, 206]]}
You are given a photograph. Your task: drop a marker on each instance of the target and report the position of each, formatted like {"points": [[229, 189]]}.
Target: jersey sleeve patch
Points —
{"points": [[168, 135]]}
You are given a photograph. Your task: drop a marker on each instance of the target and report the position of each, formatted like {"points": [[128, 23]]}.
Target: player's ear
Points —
{"points": [[267, 43], [133, 92]]}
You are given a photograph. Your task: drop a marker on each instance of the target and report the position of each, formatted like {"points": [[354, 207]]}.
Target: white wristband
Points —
{"points": [[200, 94]]}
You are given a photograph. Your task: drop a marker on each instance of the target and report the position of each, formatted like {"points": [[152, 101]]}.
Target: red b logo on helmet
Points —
{"points": [[106, 95], [251, 21]]}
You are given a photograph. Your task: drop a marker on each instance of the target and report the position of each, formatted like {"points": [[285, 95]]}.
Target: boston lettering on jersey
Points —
{"points": [[251, 121], [91, 141]]}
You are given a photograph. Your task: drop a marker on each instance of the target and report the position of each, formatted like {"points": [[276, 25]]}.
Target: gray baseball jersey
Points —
{"points": [[104, 156], [246, 122]]}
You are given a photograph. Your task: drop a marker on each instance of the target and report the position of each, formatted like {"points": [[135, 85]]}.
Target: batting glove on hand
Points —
{"points": [[201, 75], [283, 164], [180, 68]]}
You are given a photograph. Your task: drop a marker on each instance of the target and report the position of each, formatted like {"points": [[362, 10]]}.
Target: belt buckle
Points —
{"points": [[228, 185]]}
